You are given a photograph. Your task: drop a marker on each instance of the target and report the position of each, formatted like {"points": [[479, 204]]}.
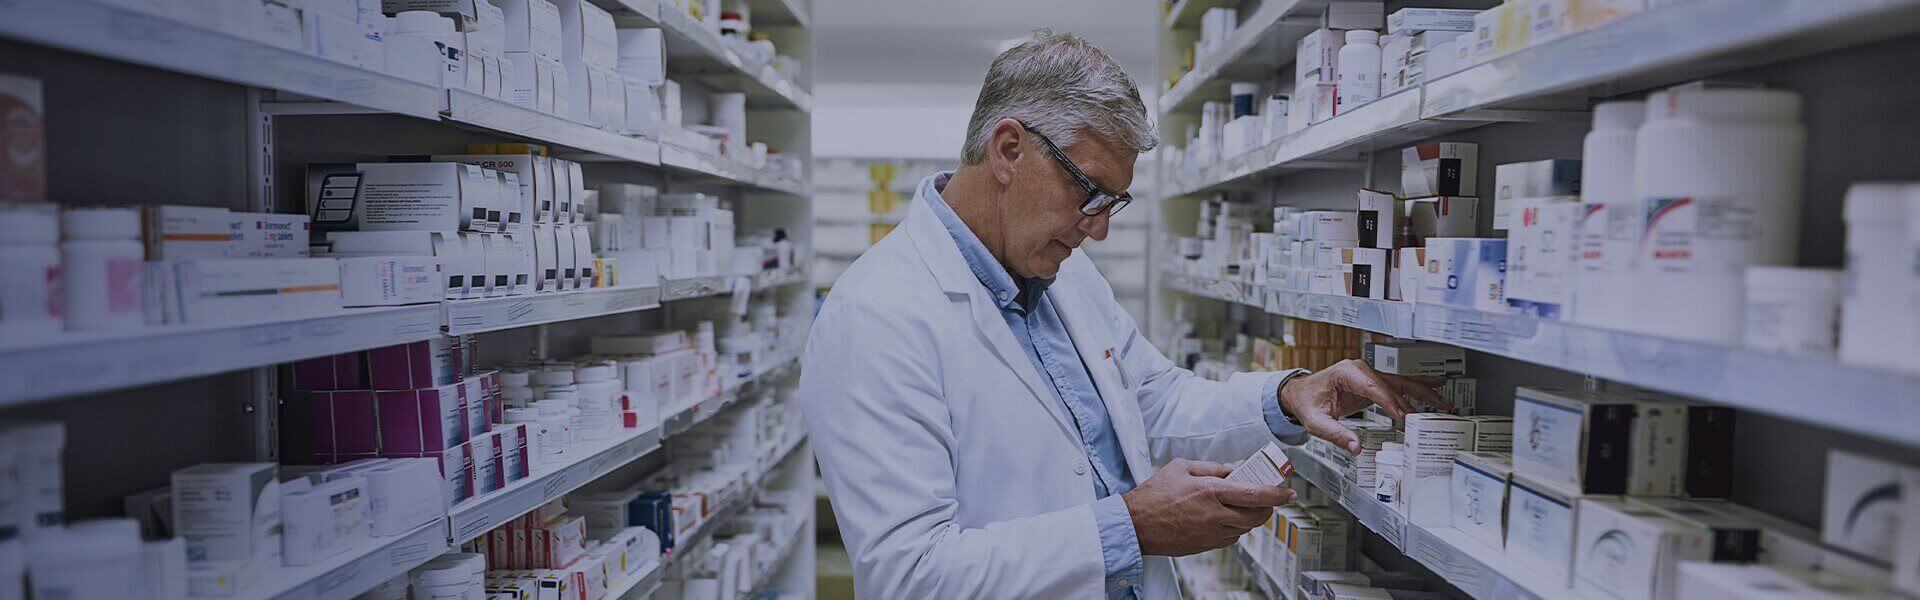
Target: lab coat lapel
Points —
{"points": [[1095, 345], [942, 257]]}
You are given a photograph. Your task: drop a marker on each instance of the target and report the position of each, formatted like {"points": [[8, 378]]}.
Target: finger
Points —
{"points": [[1367, 383], [1419, 391], [1326, 428], [1245, 519], [1432, 381], [1251, 495], [1201, 468]]}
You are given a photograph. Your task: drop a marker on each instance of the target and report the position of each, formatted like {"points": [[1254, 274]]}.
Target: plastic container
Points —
{"points": [[101, 263], [98, 559], [1718, 172], [1878, 324], [1609, 217], [516, 378], [1792, 310], [1358, 76], [554, 376], [37, 448], [1389, 468], [1243, 94], [456, 576], [29, 270]]}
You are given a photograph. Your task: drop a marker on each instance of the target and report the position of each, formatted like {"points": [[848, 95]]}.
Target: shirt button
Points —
{"points": [[1080, 469]]}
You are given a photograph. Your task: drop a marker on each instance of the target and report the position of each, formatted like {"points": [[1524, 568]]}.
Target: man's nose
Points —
{"points": [[1096, 226]]}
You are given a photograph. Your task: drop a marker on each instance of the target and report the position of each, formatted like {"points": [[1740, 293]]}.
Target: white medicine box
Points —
{"points": [[428, 196], [1416, 358], [1631, 553], [1862, 511], [1440, 169], [228, 511], [1533, 179], [1540, 523], [1479, 504], [1575, 439], [1540, 255]]}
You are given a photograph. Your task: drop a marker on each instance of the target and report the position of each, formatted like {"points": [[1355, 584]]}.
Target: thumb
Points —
{"points": [[1203, 468], [1326, 428]]}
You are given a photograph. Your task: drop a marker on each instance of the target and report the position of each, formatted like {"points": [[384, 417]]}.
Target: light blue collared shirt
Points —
{"points": [[1043, 335]]}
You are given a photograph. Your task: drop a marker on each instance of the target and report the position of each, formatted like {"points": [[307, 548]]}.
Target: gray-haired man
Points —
{"points": [[989, 421]]}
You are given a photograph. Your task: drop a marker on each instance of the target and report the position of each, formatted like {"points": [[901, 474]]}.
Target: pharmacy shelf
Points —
{"points": [[778, 13], [1855, 399], [1263, 578], [493, 114], [1824, 392], [78, 363], [1477, 569], [1553, 81], [355, 571], [764, 579], [694, 162], [1672, 43], [642, 586], [493, 509], [158, 41], [1336, 143], [703, 410], [482, 315], [733, 501], [1186, 13], [701, 287], [1263, 42], [696, 53]]}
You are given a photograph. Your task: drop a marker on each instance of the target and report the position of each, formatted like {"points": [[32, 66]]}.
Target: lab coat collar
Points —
{"points": [[941, 254]]}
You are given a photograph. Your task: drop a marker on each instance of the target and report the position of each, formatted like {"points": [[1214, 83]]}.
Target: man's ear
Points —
{"points": [[1005, 146]]}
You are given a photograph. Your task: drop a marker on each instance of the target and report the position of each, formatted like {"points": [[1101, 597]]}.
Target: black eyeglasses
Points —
{"points": [[1098, 200]]}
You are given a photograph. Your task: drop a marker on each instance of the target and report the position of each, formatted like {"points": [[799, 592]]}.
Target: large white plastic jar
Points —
{"points": [[1358, 75], [1718, 174], [101, 262], [1610, 218], [1878, 323], [29, 270]]}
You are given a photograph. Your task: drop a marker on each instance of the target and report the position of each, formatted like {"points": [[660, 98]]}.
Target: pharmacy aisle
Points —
{"points": [[1663, 254], [357, 299]]}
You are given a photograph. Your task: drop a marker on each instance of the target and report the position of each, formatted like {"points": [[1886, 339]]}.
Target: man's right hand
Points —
{"points": [[1189, 507]]}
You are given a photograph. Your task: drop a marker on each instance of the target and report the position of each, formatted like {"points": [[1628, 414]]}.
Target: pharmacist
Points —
{"points": [[987, 417]]}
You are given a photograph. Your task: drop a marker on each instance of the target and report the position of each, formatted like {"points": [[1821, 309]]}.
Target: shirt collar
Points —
{"points": [[998, 281]]}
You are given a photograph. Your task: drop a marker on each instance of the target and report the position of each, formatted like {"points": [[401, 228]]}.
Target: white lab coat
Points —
{"points": [[952, 469]]}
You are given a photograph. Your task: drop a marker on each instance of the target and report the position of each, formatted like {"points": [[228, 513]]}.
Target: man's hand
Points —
{"points": [[1319, 400], [1189, 507]]}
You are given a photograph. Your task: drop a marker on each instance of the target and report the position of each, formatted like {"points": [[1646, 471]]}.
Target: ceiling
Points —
{"points": [[952, 42]]}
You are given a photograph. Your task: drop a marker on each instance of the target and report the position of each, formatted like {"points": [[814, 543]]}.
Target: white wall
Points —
{"points": [[891, 120]]}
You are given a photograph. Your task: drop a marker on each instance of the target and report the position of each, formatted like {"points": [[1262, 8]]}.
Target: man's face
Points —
{"points": [[1043, 220]]}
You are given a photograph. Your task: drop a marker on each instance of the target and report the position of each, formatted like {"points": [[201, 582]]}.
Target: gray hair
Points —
{"points": [[1063, 86]]}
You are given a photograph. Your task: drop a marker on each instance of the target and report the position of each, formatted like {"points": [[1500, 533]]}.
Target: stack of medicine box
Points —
{"points": [[214, 265], [1412, 35], [620, 232], [1538, 204], [229, 514], [663, 373], [416, 400], [556, 241], [1584, 454], [467, 218], [1366, 268], [482, 28], [695, 233], [1315, 345], [536, 79], [589, 50], [1312, 537], [614, 562], [1439, 183], [398, 495], [1317, 248]]}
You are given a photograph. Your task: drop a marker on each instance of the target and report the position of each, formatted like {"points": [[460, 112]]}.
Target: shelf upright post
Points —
{"points": [[262, 405]]}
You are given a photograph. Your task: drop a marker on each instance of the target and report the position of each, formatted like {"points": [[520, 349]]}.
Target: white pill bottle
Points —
{"points": [[1609, 220], [1718, 174]]}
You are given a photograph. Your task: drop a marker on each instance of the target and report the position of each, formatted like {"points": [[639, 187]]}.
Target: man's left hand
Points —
{"points": [[1320, 399]]}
